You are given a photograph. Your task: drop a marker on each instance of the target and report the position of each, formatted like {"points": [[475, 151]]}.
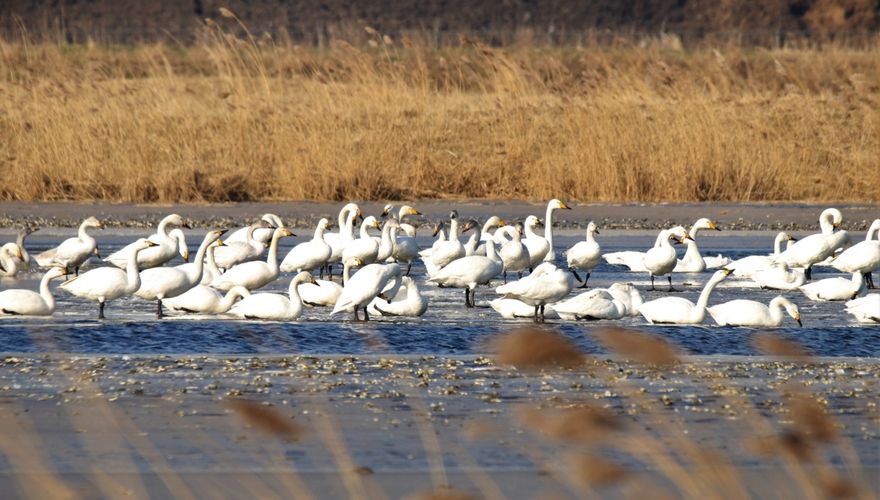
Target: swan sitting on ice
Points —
{"points": [[202, 299], [30, 303], [615, 302], [408, 301], [273, 306], [10, 257], [168, 245], [547, 284], [680, 311], [748, 266], [779, 277], [585, 255], [754, 314], [865, 309], [72, 252], [836, 288]]}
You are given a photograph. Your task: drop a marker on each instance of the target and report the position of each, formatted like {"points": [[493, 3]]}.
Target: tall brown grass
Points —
{"points": [[239, 116]]}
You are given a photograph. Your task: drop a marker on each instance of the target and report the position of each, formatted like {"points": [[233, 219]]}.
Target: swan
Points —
{"points": [[365, 247], [485, 233], [406, 249], [537, 245], [681, 311], [23, 233], [262, 234], [661, 259], [10, 256], [326, 293], [30, 303], [371, 281], [584, 255], [72, 252], [407, 229], [439, 233], [836, 288], [168, 244], [515, 309], [407, 302], [236, 252], [865, 309], [692, 261], [817, 247], [515, 254], [779, 277], [863, 257], [337, 241], [202, 299], [273, 306], [468, 272], [444, 252], [210, 271], [546, 285], [159, 283], [256, 273], [754, 314], [386, 241], [107, 283], [747, 266], [615, 302], [553, 205], [309, 255]]}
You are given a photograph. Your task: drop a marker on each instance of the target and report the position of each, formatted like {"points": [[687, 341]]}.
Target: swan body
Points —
{"points": [[552, 206], [324, 293], [203, 299], [632, 259], [256, 273], [747, 266], [107, 283], [469, 272], [262, 234], [693, 261], [662, 259], [309, 255], [515, 254], [547, 284], [585, 255], [835, 288], [168, 244], [516, 309], [408, 301], [680, 311], [779, 277], [236, 252], [10, 257], [273, 306], [817, 247], [30, 303], [440, 234], [754, 314], [72, 252], [365, 285], [444, 252], [365, 248], [865, 309], [615, 302], [537, 245], [864, 256], [337, 241], [25, 259]]}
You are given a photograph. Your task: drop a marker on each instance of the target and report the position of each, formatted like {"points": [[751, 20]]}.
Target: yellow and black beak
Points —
{"points": [[563, 205]]}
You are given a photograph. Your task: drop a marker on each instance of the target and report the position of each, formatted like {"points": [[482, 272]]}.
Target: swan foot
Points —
{"points": [[100, 310]]}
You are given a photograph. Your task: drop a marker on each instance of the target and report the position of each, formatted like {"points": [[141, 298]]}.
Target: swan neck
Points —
{"points": [[591, 238], [548, 225], [196, 275], [272, 260], [453, 230], [346, 272], [132, 277], [490, 250], [45, 293], [693, 251], [873, 233], [348, 227], [775, 309], [319, 233], [703, 301], [365, 233], [826, 223], [777, 244], [212, 264], [10, 264]]}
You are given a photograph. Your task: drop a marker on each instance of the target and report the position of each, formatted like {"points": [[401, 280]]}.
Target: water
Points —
{"points": [[447, 327]]}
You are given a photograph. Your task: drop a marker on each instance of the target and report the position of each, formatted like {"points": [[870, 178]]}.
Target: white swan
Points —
{"points": [[817, 247], [634, 259], [863, 257], [107, 283], [10, 257], [256, 273], [274, 306], [615, 302], [30, 303], [553, 205], [779, 277], [337, 241], [236, 252], [747, 266], [159, 283], [408, 301], [485, 233], [516, 309], [754, 314], [407, 229], [547, 284], [693, 261], [836, 288], [386, 242], [324, 293], [585, 255], [662, 259], [210, 271], [515, 254], [168, 245], [72, 252], [262, 234], [369, 282], [439, 233], [23, 233], [406, 249], [309, 255], [681, 311], [202, 299], [365, 248], [537, 245], [469, 272], [444, 252], [865, 309]]}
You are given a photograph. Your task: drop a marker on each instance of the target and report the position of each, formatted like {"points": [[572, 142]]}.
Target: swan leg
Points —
{"points": [[869, 281], [77, 270], [808, 272], [670, 283], [356, 314], [408, 267], [366, 315], [467, 298], [536, 313], [159, 314], [101, 310], [543, 318], [652, 283]]}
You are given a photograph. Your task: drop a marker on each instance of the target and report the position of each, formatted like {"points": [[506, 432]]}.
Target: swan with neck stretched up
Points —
{"points": [[754, 314], [309, 255], [440, 234], [816, 248], [274, 306], [836, 288], [29, 303], [256, 273], [263, 234], [615, 302], [863, 257], [369, 282], [325, 293], [547, 284], [585, 255], [693, 261], [104, 284], [159, 283], [408, 301], [10, 259], [515, 254], [406, 229], [484, 234], [662, 259], [748, 266], [236, 252], [72, 252], [552, 206], [681, 311], [537, 245], [337, 241], [365, 248], [202, 299], [444, 252], [779, 277], [470, 272], [169, 243], [25, 259], [865, 309]]}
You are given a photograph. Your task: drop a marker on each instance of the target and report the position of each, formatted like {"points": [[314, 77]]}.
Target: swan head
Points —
{"points": [[273, 221], [371, 221], [794, 312], [705, 223], [532, 221], [97, 252], [26, 230], [176, 220], [215, 235], [592, 228], [408, 210], [305, 277], [555, 203], [834, 214], [470, 224], [283, 232], [354, 262], [263, 224], [325, 224], [453, 215], [55, 272], [679, 234], [386, 211], [92, 222], [437, 228], [143, 243], [12, 250], [495, 221]]}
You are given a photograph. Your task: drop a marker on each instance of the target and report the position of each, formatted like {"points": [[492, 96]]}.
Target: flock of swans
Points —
{"points": [[375, 277]]}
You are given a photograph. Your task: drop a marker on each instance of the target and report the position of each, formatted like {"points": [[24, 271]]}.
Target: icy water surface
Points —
{"points": [[447, 327]]}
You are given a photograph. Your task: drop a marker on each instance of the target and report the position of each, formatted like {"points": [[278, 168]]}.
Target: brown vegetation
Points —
{"points": [[241, 117]]}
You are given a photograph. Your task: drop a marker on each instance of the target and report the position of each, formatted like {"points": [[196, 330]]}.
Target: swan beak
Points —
{"points": [[149, 244], [714, 226], [415, 212], [501, 223], [97, 253], [20, 255], [596, 231], [727, 271], [564, 206], [312, 280], [792, 238], [385, 212], [99, 226], [186, 225], [436, 230], [220, 243], [186, 257], [798, 319], [359, 215]]}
